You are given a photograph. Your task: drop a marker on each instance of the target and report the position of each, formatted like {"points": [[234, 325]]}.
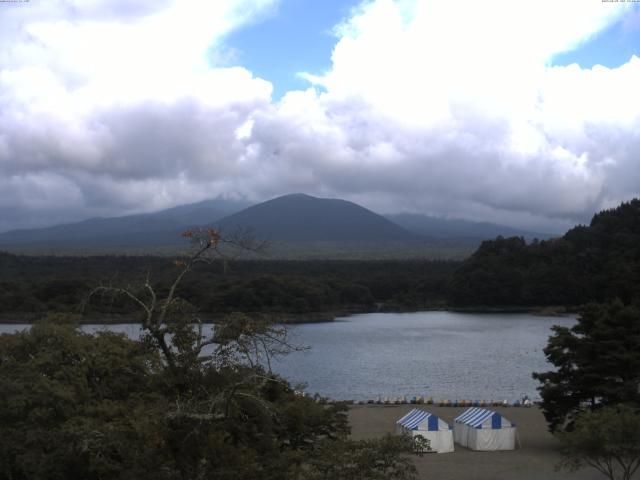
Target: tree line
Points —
{"points": [[588, 264], [60, 284]]}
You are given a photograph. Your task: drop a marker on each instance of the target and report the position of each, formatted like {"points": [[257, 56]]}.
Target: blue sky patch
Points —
{"points": [[611, 47], [296, 38]]}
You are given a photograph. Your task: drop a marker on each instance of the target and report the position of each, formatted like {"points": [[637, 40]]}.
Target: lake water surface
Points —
{"points": [[440, 354]]}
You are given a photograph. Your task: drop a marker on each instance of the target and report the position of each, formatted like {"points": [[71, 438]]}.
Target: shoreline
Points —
{"points": [[29, 318], [299, 318]]}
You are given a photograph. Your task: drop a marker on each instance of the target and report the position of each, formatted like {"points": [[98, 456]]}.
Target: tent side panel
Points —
{"points": [[491, 440], [439, 441], [445, 441], [472, 439], [461, 434]]}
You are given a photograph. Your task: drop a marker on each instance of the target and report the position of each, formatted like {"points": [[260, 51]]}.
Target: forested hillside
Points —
{"points": [[588, 264], [59, 284]]}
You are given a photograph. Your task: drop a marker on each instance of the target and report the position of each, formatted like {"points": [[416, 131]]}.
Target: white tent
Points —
{"points": [[425, 424], [482, 429]]}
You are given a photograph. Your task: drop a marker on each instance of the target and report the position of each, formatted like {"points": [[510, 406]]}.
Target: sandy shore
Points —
{"points": [[535, 460]]}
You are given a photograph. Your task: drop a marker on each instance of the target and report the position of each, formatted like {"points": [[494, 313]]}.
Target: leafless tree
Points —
{"points": [[179, 334]]}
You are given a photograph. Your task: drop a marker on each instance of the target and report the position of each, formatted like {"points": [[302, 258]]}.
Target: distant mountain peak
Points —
{"points": [[304, 197], [295, 195], [292, 218], [301, 217]]}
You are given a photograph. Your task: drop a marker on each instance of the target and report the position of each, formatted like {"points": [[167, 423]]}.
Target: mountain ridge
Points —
{"points": [[301, 217], [140, 229], [289, 219], [439, 227]]}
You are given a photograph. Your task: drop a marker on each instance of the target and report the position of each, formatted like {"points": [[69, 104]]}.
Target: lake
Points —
{"points": [[445, 355]]}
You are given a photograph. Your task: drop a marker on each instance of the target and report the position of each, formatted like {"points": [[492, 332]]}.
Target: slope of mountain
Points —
{"points": [[435, 227], [298, 225], [588, 264], [148, 229], [201, 213], [303, 218]]}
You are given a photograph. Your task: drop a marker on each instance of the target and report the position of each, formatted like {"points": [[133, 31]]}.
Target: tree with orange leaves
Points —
{"points": [[165, 321]]}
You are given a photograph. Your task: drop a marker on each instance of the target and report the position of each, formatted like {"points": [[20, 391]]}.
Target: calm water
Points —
{"points": [[441, 354]]}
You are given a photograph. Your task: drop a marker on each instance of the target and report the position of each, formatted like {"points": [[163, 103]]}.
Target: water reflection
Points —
{"points": [[441, 354]]}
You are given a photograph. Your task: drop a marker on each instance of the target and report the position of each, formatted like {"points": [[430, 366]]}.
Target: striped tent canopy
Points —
{"points": [[418, 423], [483, 418], [420, 420]]}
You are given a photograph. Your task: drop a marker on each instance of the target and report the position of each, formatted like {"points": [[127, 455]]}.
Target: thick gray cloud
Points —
{"points": [[101, 115], [463, 172]]}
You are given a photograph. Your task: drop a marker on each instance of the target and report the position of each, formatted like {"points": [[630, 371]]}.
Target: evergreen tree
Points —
{"points": [[597, 363]]}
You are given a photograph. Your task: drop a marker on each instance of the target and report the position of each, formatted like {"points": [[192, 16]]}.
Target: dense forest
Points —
{"points": [[588, 264], [34, 285]]}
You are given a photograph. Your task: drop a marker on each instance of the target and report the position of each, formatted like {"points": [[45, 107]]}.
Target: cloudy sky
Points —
{"points": [[520, 112]]}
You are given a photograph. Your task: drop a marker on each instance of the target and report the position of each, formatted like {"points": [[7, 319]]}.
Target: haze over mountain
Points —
{"points": [[292, 221], [148, 229], [438, 227]]}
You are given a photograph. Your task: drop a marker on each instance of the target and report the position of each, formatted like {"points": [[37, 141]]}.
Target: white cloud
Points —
{"points": [[464, 94], [433, 106], [96, 93]]}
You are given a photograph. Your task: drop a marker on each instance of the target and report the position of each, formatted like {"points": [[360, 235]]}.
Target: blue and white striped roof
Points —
{"points": [[418, 420], [476, 417]]}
